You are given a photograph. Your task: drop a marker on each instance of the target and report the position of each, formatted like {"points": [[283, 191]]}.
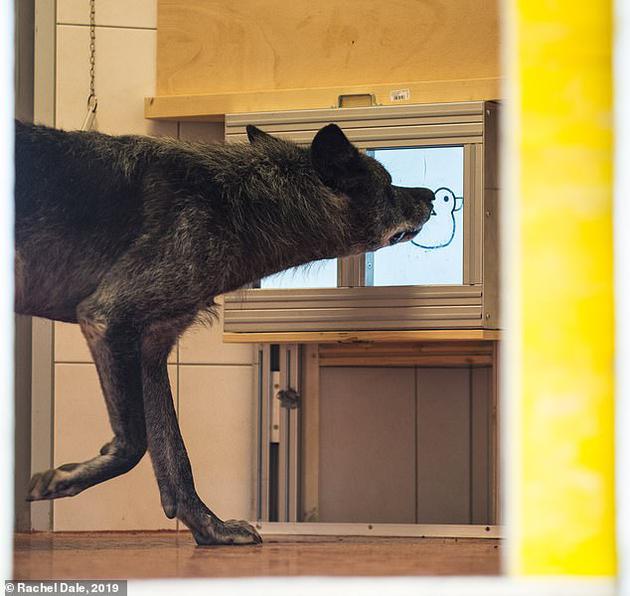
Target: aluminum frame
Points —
{"points": [[353, 305], [288, 438]]}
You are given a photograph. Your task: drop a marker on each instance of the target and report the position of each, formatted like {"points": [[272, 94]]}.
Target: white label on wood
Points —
{"points": [[400, 95]]}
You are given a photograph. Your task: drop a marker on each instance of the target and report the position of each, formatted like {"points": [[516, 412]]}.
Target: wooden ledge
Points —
{"points": [[212, 107], [304, 337]]}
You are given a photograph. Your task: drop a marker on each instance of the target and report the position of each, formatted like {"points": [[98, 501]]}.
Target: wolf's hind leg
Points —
{"points": [[117, 358]]}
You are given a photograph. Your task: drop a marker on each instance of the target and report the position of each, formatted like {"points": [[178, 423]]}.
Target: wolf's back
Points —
{"points": [[77, 181]]}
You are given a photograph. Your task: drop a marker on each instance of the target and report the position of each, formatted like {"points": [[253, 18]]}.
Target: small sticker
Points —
{"points": [[400, 95]]}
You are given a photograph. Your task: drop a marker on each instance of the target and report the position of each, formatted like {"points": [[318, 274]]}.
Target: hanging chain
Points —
{"points": [[92, 48], [92, 102]]}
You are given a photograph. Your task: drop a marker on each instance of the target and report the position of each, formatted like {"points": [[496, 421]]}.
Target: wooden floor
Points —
{"points": [[126, 555]]}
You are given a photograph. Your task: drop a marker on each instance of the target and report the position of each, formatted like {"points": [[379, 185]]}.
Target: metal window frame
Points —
{"points": [[353, 306]]}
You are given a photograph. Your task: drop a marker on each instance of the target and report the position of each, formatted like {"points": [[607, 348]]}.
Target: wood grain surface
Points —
{"points": [[116, 555]]}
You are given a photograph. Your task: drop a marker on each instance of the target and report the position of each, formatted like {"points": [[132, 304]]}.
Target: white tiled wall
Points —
{"points": [[128, 502], [125, 74], [70, 345], [139, 14], [216, 414], [211, 382]]}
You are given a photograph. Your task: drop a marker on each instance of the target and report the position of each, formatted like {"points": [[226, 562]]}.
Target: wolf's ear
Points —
{"points": [[255, 135], [336, 159]]}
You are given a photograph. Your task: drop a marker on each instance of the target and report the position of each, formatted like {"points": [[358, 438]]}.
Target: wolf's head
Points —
{"points": [[379, 213], [383, 214]]}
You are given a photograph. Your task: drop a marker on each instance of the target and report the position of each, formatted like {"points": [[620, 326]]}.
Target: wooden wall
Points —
{"points": [[439, 50]]}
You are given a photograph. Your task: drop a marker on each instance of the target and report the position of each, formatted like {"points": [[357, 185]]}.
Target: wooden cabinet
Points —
{"points": [[383, 433]]}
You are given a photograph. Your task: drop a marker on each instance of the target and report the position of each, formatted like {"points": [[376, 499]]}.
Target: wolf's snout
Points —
{"points": [[421, 194], [417, 207], [424, 196], [427, 195], [418, 195]]}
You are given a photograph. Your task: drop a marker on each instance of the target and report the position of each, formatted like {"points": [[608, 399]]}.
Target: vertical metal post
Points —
{"points": [[263, 396], [42, 380], [285, 431], [24, 45], [473, 213], [6, 278], [294, 376], [351, 271], [289, 447]]}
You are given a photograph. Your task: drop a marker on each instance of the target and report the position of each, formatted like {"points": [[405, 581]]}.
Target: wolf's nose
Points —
{"points": [[425, 194]]}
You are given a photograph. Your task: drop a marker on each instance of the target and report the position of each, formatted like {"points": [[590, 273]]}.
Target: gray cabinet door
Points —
{"points": [[443, 446], [367, 441], [404, 445]]}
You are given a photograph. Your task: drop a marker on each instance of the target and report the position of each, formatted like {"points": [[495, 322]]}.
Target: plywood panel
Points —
{"points": [[213, 46], [443, 446], [365, 336], [443, 353], [213, 107], [367, 462]]}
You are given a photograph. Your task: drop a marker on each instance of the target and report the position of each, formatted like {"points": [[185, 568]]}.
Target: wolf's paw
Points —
{"points": [[54, 483], [231, 531]]}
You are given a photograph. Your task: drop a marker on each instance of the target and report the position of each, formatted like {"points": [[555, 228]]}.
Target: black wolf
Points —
{"points": [[133, 237]]}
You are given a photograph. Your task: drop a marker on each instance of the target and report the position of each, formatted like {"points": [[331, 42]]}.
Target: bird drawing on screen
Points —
{"points": [[440, 230]]}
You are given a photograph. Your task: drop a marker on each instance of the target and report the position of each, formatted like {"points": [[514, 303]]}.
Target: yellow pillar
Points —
{"points": [[562, 499]]}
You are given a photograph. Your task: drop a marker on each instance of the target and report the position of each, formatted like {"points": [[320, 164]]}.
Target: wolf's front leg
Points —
{"points": [[168, 453]]}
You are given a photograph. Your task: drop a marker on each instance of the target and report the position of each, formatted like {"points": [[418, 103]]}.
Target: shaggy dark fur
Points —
{"points": [[132, 237]]}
